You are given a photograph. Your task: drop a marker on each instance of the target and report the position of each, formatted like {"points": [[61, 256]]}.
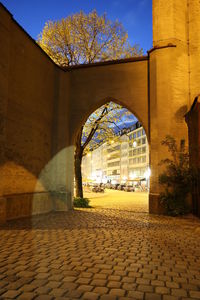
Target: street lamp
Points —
{"points": [[134, 144]]}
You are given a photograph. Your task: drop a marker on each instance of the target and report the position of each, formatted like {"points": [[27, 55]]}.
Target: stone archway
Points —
{"points": [[140, 170], [42, 105]]}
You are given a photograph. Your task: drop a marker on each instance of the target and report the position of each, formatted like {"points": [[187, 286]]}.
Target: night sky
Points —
{"points": [[135, 15]]}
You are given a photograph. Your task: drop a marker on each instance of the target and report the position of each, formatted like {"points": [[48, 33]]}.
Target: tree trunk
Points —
{"points": [[77, 165], [78, 175]]}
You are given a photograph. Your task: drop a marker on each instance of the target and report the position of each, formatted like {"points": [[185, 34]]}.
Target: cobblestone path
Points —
{"points": [[100, 254]]}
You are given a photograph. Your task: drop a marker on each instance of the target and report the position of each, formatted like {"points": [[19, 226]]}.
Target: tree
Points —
{"points": [[82, 38], [102, 126], [79, 39], [177, 179]]}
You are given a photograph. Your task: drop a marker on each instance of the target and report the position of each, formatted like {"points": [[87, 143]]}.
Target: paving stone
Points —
{"points": [[44, 297], [145, 288], [28, 288], [43, 290], [114, 277], [55, 278], [117, 292], [172, 284], [93, 251], [100, 290], [120, 273], [142, 281], [3, 283], [114, 284], [195, 294], [39, 282], [157, 283], [149, 276], [162, 290], [53, 284], [108, 297], [26, 274], [57, 292], [85, 288], [187, 286], [90, 296], [98, 282], [83, 280], [27, 296], [101, 276], [134, 274], [70, 273], [179, 292], [11, 294], [169, 297], [136, 295], [88, 275], [126, 279], [2, 291], [69, 279], [74, 294], [42, 275], [14, 285], [69, 286], [129, 286], [108, 272], [152, 296]]}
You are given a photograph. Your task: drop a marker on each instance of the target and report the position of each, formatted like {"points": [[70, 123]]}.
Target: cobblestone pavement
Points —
{"points": [[100, 253], [137, 202]]}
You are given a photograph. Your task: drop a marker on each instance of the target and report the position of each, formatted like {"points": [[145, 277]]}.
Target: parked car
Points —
{"points": [[108, 185], [98, 189], [121, 187], [129, 188], [116, 186]]}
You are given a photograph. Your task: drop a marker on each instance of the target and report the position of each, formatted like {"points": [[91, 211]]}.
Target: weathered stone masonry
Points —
{"points": [[42, 106]]}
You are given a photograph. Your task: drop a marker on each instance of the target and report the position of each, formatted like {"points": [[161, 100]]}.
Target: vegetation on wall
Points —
{"points": [[177, 178]]}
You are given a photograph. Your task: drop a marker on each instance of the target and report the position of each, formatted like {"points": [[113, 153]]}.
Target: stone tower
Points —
{"points": [[174, 70]]}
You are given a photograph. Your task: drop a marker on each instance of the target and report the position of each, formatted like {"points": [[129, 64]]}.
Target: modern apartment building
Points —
{"points": [[122, 161]]}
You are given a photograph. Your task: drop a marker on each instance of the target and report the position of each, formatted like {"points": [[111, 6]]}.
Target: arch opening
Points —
{"points": [[112, 151]]}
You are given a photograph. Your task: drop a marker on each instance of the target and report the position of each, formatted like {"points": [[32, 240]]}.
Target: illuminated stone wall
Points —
{"points": [[174, 77], [42, 107], [31, 91]]}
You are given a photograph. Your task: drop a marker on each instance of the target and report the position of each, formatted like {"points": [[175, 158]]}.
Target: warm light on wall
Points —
{"points": [[132, 176], [147, 174]]}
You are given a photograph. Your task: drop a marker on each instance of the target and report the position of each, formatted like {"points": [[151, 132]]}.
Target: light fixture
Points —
{"points": [[134, 144]]}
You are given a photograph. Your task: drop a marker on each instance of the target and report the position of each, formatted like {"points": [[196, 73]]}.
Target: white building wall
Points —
{"points": [[121, 161]]}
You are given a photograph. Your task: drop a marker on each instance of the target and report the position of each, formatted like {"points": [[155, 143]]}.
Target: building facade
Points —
{"points": [[121, 161]]}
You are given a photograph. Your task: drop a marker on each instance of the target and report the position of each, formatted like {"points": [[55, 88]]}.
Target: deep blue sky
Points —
{"points": [[135, 15]]}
